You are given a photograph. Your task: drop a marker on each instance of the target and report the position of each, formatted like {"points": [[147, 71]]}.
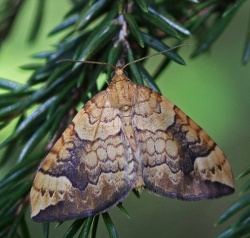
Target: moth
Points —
{"points": [[127, 137]]}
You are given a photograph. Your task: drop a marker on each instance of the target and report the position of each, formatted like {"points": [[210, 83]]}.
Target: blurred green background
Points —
{"points": [[212, 89]]}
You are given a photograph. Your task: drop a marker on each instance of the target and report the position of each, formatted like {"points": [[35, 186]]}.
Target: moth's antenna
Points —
{"points": [[149, 56], [87, 62], [114, 67]]}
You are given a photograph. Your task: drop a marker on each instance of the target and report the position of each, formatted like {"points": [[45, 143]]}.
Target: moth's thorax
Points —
{"points": [[121, 92], [119, 77]]}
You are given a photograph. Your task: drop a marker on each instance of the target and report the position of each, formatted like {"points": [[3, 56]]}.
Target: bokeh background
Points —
{"points": [[213, 89]]}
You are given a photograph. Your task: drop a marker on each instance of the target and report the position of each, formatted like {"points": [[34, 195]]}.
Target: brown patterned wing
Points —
{"points": [[89, 170], [179, 159]]}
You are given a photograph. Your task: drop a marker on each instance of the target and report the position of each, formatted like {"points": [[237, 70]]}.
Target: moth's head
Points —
{"points": [[119, 70]]}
